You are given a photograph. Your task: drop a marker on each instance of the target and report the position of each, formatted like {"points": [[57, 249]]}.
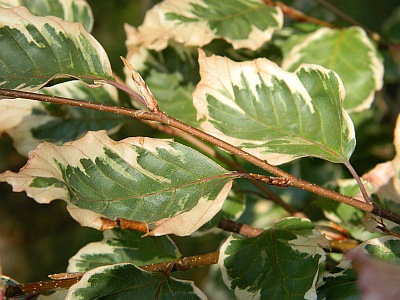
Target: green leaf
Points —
{"points": [[125, 281], [341, 282], [391, 26], [275, 115], [349, 53], [244, 24], [124, 246], [159, 182], [281, 263], [35, 50], [30, 123], [73, 10], [171, 75]]}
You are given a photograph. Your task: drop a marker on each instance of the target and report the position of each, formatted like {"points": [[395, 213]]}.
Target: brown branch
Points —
{"points": [[297, 15], [165, 119], [266, 192], [66, 280], [341, 14]]}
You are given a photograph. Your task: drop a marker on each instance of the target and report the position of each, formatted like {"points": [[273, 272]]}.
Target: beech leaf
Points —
{"points": [[281, 263], [119, 246], [154, 181], [72, 10], [273, 114], [30, 122], [244, 24], [126, 281], [349, 53], [171, 75], [35, 50]]}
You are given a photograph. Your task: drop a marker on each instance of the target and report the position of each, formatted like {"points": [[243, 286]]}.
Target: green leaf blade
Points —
{"points": [[74, 10], [126, 281], [280, 263], [273, 114], [154, 181], [35, 50], [244, 24], [349, 53], [124, 246]]}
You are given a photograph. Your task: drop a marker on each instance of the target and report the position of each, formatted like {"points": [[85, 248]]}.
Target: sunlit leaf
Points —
{"points": [[125, 281], [349, 53], [281, 263], [148, 180], [71, 10], [124, 246], [276, 115], [35, 50], [30, 123], [244, 24], [341, 282]]}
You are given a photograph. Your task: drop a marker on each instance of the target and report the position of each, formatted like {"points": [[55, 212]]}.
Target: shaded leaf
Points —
{"points": [[124, 246], [275, 115], [30, 123], [244, 24], [349, 53], [35, 50], [391, 26], [125, 281], [148, 180], [281, 263], [71, 10], [171, 75]]}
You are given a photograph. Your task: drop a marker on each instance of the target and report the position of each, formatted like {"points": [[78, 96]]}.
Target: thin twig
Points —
{"points": [[165, 119], [200, 145], [66, 280], [341, 14], [297, 15]]}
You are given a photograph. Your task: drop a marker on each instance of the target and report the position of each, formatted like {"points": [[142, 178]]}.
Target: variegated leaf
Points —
{"points": [[171, 74], [126, 281], [341, 282], [244, 24], [159, 182], [281, 263], [69, 10], [30, 123], [349, 53], [273, 114], [35, 50], [124, 246]]}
